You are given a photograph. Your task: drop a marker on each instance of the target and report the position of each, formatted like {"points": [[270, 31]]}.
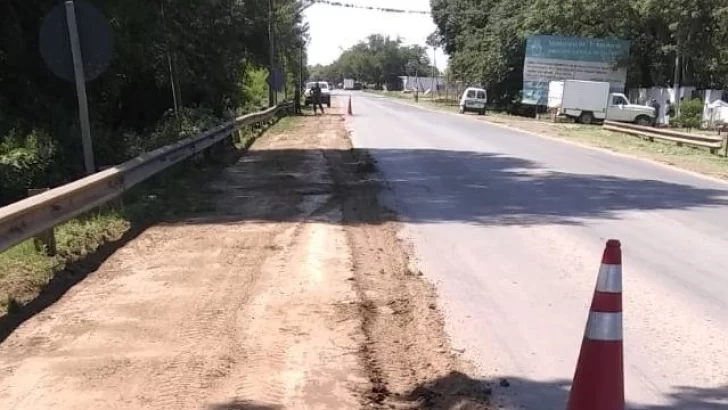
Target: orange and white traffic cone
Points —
{"points": [[348, 110], [599, 377]]}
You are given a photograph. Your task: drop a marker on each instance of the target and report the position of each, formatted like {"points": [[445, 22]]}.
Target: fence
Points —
{"points": [[24, 219], [680, 138]]}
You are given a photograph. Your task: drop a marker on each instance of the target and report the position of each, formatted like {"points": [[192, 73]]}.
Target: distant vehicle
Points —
{"points": [[473, 99], [325, 93], [348, 84], [591, 101], [358, 86]]}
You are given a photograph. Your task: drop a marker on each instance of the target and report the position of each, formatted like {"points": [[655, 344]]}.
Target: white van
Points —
{"points": [[473, 99]]}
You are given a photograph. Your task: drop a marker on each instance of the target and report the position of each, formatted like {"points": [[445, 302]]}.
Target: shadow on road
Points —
{"points": [[693, 398], [460, 391], [443, 186], [482, 188], [243, 405]]}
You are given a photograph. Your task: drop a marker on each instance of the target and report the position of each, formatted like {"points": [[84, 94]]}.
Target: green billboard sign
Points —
{"points": [[556, 58]]}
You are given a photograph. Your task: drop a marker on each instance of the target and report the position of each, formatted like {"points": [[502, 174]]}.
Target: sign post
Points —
{"points": [[76, 42], [88, 150]]}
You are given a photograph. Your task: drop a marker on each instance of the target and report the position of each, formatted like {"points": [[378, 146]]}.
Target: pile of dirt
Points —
{"points": [[406, 355]]}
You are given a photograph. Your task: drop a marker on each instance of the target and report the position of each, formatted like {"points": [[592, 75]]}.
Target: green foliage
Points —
{"points": [[23, 163], [486, 38], [378, 60], [180, 190], [691, 114], [216, 50], [255, 89]]}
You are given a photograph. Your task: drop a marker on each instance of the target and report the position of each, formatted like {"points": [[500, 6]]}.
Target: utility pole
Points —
{"points": [[271, 92], [173, 78], [299, 87], [304, 4], [285, 77], [434, 68], [676, 80], [303, 45]]}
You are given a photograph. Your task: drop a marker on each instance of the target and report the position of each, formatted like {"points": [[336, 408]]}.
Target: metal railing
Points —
{"points": [[680, 138], [26, 218]]}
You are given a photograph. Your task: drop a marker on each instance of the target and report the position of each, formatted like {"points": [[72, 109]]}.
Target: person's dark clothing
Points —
{"points": [[316, 98], [669, 109]]}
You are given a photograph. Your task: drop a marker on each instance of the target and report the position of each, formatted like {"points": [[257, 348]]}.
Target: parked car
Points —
{"points": [[474, 100], [325, 93]]}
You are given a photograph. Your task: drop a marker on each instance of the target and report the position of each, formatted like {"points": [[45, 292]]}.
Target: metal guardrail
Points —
{"points": [[23, 219], [680, 138]]}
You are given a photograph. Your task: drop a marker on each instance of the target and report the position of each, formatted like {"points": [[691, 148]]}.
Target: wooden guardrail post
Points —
{"points": [[240, 134], [46, 240]]}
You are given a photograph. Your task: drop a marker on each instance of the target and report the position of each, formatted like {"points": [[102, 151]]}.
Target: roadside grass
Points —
{"points": [[25, 271], [285, 124], [692, 159], [178, 192]]}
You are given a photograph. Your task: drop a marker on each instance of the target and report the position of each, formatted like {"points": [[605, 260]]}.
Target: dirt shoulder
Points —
{"points": [[692, 159], [292, 292]]}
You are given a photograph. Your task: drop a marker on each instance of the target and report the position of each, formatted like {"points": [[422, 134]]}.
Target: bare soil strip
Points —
{"points": [[294, 293]]}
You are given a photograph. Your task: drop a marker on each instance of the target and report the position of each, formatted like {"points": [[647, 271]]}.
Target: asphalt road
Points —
{"points": [[510, 227]]}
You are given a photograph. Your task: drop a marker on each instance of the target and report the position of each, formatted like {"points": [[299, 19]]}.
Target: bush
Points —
{"points": [[170, 129], [34, 161], [24, 162], [691, 114], [255, 89]]}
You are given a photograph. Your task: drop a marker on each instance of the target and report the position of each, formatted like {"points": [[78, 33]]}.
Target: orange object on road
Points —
{"points": [[599, 377]]}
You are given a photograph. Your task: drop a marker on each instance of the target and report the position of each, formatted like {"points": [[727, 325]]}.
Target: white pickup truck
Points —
{"points": [[590, 101]]}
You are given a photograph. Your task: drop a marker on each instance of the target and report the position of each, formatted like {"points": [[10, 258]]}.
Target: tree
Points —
{"points": [[216, 45], [486, 38], [378, 60]]}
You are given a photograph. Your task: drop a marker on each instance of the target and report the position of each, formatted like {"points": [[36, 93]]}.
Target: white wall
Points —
{"points": [[422, 83], [662, 94]]}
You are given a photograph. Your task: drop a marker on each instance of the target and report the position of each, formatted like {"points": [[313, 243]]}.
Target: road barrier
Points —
{"points": [[599, 377], [680, 138], [24, 219]]}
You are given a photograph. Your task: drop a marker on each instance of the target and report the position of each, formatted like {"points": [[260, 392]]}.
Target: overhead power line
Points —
{"points": [[360, 6]]}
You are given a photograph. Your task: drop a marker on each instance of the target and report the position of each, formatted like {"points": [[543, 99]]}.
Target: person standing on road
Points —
{"points": [[316, 98]]}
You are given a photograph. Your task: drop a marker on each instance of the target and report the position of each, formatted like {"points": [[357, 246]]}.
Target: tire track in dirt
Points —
{"points": [[294, 293]]}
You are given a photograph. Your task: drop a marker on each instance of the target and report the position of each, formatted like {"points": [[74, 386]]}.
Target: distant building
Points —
{"points": [[422, 83]]}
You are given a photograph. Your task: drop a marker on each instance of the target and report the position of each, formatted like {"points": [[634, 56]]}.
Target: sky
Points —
{"points": [[334, 29]]}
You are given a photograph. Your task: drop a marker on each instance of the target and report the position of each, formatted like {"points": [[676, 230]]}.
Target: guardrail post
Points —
{"points": [[46, 240], [725, 145], [228, 144], [240, 133], [207, 153]]}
